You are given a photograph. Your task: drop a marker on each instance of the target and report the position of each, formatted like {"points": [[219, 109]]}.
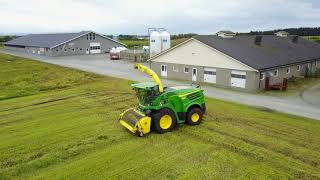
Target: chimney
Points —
{"points": [[295, 39], [258, 40]]}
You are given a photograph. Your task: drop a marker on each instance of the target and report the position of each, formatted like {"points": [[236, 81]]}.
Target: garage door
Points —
{"points": [[95, 48], [210, 75], [238, 79]]}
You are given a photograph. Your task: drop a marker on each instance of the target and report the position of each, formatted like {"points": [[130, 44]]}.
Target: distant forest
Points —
{"points": [[294, 31], [303, 31], [6, 38]]}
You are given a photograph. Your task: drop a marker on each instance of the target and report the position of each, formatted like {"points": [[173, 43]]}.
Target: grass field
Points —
{"points": [[132, 43], [58, 123], [313, 38]]}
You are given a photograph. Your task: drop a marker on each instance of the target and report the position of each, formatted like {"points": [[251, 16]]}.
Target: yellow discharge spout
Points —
{"points": [[151, 73]]}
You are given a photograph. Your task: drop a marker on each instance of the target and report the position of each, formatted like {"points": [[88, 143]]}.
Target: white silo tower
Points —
{"points": [[165, 40], [155, 43]]}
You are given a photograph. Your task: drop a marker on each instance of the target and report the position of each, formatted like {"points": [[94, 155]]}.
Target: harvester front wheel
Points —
{"points": [[164, 121], [194, 116]]}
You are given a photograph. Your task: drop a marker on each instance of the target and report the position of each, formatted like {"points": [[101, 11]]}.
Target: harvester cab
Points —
{"points": [[162, 108]]}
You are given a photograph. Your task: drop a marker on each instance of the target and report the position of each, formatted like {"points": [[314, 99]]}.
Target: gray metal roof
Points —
{"points": [[226, 32], [282, 32], [273, 52], [44, 40]]}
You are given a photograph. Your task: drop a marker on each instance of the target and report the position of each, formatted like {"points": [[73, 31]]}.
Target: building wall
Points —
{"points": [[196, 53], [81, 45], [193, 54], [223, 76], [282, 72], [75, 47], [14, 49]]}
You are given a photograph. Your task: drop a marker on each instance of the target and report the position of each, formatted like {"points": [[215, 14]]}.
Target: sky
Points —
{"points": [[136, 16]]}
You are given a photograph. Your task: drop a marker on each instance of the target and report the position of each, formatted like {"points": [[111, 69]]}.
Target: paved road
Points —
{"points": [[312, 95], [307, 104]]}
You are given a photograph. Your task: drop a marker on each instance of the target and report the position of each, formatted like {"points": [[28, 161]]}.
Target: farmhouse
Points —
{"points": [[63, 44], [240, 61]]}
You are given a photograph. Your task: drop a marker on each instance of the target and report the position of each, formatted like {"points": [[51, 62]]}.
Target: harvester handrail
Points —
{"points": [[151, 73]]}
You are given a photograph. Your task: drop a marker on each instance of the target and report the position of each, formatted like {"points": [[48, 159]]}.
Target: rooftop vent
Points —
{"points": [[282, 34], [225, 34], [258, 40], [295, 39]]}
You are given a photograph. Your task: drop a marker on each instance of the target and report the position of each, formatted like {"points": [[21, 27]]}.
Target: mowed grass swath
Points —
{"points": [[61, 123]]}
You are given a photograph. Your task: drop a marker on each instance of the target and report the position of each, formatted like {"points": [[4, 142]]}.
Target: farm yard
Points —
{"points": [[133, 43], [60, 123]]}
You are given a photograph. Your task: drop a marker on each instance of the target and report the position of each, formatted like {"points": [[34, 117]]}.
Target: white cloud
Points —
{"points": [[133, 17]]}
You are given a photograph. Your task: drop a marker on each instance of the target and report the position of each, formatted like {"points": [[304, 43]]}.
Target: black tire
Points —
{"points": [[192, 112], [157, 117]]}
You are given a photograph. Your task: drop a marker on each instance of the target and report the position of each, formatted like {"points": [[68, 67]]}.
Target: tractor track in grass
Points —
{"points": [[67, 152], [285, 152], [109, 102], [73, 97], [235, 149], [267, 147], [262, 128]]}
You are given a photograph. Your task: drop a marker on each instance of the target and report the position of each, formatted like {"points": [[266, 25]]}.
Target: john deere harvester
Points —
{"points": [[163, 108]]}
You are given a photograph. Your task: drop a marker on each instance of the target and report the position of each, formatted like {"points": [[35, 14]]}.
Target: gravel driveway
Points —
{"points": [[307, 104]]}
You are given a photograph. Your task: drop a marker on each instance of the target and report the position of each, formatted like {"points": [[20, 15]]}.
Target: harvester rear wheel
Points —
{"points": [[194, 116], [164, 121]]}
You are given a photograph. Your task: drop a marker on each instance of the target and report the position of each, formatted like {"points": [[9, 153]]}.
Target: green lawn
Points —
{"points": [[132, 43], [313, 38], [58, 123]]}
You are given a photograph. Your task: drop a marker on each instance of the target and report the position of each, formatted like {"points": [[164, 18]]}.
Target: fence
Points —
{"points": [[135, 55]]}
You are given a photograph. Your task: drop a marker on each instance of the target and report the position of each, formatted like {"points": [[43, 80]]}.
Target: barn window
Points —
{"points": [[65, 50], [80, 49], [288, 70], [275, 73], [298, 68], [57, 50], [210, 72], [262, 76], [87, 37], [72, 49], [309, 65], [186, 69], [94, 36]]}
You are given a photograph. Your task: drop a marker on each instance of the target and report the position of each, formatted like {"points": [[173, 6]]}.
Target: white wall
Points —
{"points": [[199, 54]]}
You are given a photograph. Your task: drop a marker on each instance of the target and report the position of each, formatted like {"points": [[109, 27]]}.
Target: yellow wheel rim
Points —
{"points": [[165, 122], [195, 117]]}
